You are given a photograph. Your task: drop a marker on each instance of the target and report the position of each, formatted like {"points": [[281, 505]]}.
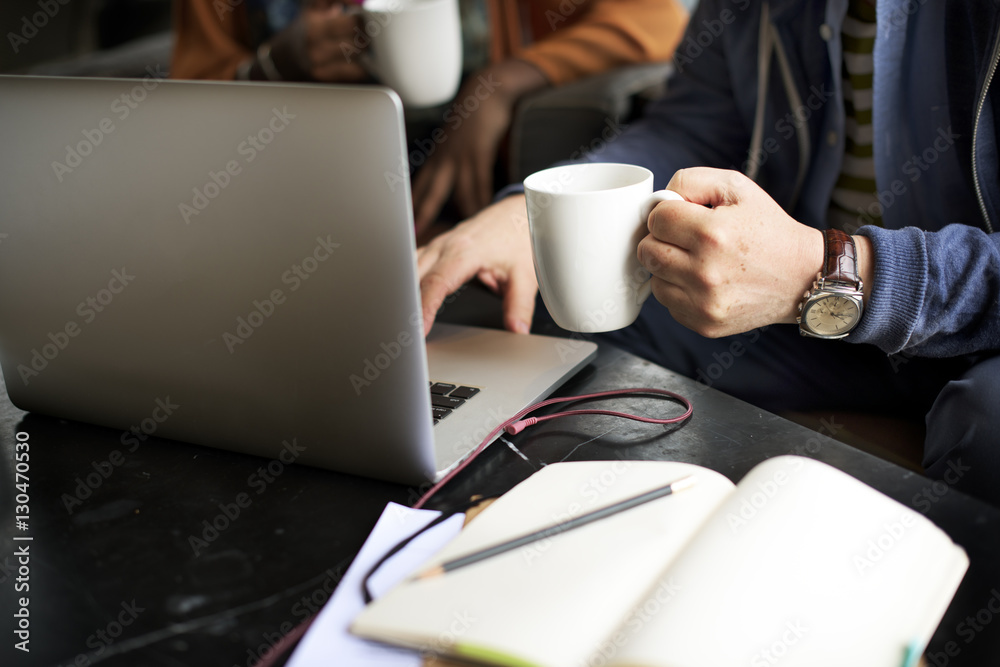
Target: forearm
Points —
{"points": [[507, 81]]}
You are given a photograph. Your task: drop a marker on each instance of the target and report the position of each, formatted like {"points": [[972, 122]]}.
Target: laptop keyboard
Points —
{"points": [[446, 398]]}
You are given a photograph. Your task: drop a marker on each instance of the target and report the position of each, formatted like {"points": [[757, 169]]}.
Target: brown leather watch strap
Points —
{"points": [[841, 258]]}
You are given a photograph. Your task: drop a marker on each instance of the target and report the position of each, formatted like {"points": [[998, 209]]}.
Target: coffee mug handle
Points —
{"points": [[647, 207]]}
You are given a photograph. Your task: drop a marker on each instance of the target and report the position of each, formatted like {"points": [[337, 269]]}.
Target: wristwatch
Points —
{"points": [[833, 307]]}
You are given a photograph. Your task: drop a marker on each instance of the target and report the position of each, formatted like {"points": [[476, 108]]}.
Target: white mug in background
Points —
{"points": [[586, 221], [416, 48]]}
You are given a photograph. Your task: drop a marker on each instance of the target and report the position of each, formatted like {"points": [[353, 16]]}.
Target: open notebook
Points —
{"points": [[799, 564]]}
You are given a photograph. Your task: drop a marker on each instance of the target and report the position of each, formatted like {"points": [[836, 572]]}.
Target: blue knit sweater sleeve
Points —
{"points": [[935, 294], [936, 284]]}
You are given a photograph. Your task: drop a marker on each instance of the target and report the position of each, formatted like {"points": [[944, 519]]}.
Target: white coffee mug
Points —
{"points": [[415, 49], [586, 221]]}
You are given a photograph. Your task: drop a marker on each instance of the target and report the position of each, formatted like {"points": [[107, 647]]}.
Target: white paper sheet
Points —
{"points": [[328, 641]]}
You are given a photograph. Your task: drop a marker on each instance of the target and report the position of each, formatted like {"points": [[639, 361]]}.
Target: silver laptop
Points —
{"points": [[233, 265]]}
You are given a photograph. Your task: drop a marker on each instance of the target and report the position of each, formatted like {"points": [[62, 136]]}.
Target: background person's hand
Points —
{"points": [[462, 164], [326, 43], [495, 247], [462, 161], [728, 259]]}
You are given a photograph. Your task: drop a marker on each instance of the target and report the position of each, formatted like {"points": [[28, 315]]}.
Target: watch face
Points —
{"points": [[831, 315]]}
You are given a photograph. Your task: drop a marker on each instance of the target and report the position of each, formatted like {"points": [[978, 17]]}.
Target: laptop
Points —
{"points": [[232, 265]]}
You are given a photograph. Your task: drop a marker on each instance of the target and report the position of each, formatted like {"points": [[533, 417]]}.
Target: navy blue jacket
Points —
{"points": [[936, 288]]}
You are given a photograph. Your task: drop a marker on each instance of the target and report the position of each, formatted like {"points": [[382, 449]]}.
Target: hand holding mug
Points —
{"points": [[732, 260], [328, 51], [415, 49]]}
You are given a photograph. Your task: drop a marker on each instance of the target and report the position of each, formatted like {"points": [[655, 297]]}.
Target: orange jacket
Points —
{"points": [[569, 39]]}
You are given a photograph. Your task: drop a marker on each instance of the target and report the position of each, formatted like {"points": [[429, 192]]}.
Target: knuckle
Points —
{"points": [[738, 186], [737, 179], [712, 331], [713, 320], [712, 237], [658, 221], [435, 281], [651, 260], [710, 280], [642, 253], [685, 173], [460, 243]]}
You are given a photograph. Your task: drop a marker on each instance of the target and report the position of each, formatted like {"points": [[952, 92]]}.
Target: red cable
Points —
{"points": [[515, 425]]}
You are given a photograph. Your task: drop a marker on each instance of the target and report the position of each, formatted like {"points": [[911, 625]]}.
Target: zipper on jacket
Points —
{"points": [[995, 58]]}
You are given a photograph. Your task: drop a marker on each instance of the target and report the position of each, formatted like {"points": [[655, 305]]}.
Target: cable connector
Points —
{"points": [[517, 427]]}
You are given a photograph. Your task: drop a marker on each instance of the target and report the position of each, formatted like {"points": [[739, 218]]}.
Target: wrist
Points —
{"points": [[278, 59], [266, 64], [832, 308], [809, 264], [260, 66], [866, 264], [508, 81]]}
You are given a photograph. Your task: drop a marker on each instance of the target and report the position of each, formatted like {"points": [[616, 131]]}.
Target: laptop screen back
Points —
{"points": [[241, 254]]}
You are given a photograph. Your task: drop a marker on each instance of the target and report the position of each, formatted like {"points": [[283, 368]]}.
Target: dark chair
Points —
{"points": [[564, 122]]}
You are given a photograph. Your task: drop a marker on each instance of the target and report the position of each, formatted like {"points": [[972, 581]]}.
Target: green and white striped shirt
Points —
{"points": [[854, 201]]}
